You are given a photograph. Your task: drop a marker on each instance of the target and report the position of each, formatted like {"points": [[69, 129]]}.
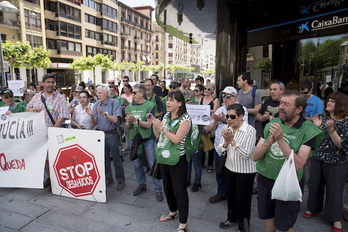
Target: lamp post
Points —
{"points": [[5, 7], [33, 15]]}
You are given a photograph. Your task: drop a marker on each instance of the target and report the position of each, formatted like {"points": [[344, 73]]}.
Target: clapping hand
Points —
{"points": [[228, 135], [317, 120]]}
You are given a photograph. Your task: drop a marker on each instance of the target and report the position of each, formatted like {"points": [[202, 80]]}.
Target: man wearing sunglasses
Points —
{"points": [[8, 98], [314, 103], [217, 124]]}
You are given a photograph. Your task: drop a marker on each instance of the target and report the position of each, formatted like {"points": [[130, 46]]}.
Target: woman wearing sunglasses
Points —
{"points": [[213, 102], [238, 141]]}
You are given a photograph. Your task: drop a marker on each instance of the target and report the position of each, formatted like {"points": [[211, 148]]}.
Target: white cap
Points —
{"points": [[229, 90]]}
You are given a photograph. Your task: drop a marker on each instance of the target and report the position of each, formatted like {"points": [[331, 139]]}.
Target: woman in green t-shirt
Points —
{"points": [[170, 153]]}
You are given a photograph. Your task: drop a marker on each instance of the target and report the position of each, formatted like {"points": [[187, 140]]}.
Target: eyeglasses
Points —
{"points": [[232, 116], [305, 92], [7, 96], [82, 97], [125, 80], [227, 96], [207, 89], [135, 92]]}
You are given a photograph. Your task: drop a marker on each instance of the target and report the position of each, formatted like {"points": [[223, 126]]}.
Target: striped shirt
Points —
{"points": [[239, 157], [56, 104]]}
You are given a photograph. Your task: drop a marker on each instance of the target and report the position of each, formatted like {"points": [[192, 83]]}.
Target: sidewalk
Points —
{"points": [[32, 210]]}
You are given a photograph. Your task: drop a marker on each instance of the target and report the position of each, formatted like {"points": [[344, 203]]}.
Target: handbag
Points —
{"points": [[155, 171], [221, 163], [137, 148], [208, 145], [286, 186]]}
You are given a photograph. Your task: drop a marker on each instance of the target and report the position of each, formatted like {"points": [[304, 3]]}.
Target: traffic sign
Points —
{"points": [[76, 170]]}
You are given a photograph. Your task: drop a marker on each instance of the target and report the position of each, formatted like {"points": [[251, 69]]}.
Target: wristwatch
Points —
{"points": [[105, 113]]}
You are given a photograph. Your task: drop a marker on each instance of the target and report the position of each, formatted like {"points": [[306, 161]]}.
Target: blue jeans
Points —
{"points": [[220, 177], [196, 159], [150, 153], [111, 147]]}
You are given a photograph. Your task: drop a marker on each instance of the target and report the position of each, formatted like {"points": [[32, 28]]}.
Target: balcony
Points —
{"points": [[10, 22], [124, 47], [108, 43], [137, 37], [68, 53], [124, 34]]}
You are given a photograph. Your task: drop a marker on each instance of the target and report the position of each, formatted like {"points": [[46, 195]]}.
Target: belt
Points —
{"points": [[110, 132]]}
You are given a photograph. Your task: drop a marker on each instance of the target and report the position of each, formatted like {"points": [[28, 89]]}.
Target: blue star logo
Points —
{"points": [[304, 9], [303, 27]]}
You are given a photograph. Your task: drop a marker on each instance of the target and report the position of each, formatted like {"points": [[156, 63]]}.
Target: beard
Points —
{"points": [[286, 117]]}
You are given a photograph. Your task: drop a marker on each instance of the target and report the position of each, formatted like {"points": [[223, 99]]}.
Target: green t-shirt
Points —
{"points": [[17, 108], [122, 101], [140, 112], [271, 163]]}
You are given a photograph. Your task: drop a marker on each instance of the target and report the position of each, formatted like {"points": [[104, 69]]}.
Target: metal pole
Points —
{"points": [[4, 82], [32, 45]]}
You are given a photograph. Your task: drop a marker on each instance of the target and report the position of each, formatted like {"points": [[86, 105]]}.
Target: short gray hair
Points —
{"points": [[106, 88], [141, 87], [281, 84]]}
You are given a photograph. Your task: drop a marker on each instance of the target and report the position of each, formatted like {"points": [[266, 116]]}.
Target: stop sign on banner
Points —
{"points": [[76, 170]]}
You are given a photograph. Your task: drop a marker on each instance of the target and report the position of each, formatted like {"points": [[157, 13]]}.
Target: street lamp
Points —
{"points": [[5, 7], [33, 15]]}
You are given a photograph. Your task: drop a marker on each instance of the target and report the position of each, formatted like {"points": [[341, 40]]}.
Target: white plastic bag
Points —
{"points": [[286, 186]]}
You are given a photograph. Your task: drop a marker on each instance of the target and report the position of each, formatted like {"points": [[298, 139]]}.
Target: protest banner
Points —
{"points": [[23, 150], [76, 159]]}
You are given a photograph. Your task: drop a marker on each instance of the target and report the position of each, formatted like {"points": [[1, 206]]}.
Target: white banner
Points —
{"points": [[76, 159], [23, 150], [199, 113]]}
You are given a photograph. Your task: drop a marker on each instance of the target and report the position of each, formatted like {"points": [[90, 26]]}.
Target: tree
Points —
{"points": [[21, 54], [265, 65], [90, 62], [15, 54]]}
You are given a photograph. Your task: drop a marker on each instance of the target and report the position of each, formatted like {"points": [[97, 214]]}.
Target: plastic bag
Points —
{"points": [[286, 186]]}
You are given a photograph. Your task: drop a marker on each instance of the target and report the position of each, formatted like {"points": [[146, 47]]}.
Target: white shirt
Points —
{"points": [[221, 126], [239, 157], [83, 118]]}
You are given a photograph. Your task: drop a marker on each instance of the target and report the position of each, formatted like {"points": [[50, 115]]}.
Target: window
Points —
{"points": [[35, 41], [170, 37], [92, 4], [69, 12], [32, 19], [51, 44], [70, 30], [170, 54], [265, 51], [170, 45], [109, 26], [109, 11]]}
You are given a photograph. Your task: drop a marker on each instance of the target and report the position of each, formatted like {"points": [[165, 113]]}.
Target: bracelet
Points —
{"points": [[138, 122], [164, 132], [330, 132], [162, 128]]}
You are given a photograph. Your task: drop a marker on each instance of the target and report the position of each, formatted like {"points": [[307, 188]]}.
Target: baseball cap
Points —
{"points": [[229, 90], [174, 84], [5, 91]]}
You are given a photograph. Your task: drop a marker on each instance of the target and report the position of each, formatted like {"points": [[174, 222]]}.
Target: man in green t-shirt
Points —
{"points": [[137, 122], [8, 98], [291, 131]]}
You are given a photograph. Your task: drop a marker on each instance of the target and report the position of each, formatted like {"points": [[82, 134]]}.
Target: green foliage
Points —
{"points": [[265, 65], [208, 71], [21, 54], [90, 62]]}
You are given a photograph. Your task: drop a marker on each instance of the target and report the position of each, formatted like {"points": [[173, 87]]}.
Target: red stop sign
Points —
{"points": [[76, 170]]}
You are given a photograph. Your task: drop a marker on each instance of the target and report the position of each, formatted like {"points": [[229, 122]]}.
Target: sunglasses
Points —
{"points": [[77, 91], [125, 80], [196, 90], [305, 92], [172, 87], [231, 116], [135, 92], [7, 96], [227, 95], [207, 89]]}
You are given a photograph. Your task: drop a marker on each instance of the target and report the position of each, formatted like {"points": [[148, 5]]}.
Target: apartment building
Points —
{"points": [[74, 28]]}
